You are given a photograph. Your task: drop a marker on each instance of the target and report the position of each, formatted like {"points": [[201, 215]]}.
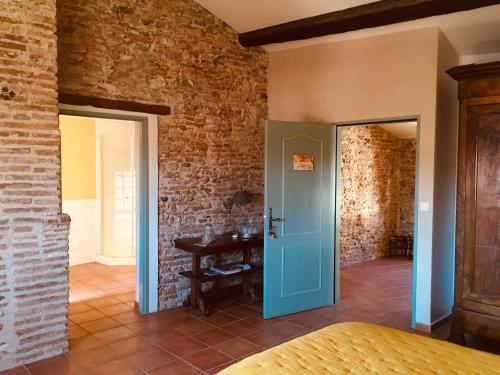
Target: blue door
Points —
{"points": [[299, 211]]}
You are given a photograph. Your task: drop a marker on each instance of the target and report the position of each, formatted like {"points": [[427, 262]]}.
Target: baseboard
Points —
{"points": [[428, 328], [438, 323], [422, 327], [110, 261]]}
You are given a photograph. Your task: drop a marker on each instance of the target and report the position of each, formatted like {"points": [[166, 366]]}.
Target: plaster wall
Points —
{"points": [[379, 77], [445, 196]]}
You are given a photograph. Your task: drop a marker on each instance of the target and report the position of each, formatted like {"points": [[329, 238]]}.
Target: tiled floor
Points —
{"points": [[108, 337], [94, 280]]}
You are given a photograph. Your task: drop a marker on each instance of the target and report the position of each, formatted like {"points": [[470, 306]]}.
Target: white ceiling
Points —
{"points": [[471, 33], [247, 15], [403, 130]]}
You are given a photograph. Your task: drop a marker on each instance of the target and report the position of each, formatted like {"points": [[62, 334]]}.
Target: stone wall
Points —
{"points": [[408, 160], [33, 236], [374, 196], [176, 53]]}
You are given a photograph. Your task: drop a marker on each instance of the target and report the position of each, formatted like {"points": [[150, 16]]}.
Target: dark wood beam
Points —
{"points": [[379, 13], [121, 105], [474, 70]]}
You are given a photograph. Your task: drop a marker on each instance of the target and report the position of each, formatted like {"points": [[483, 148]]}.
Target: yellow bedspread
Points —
{"points": [[360, 348]]}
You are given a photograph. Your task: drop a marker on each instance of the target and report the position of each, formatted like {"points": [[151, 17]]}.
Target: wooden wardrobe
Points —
{"points": [[477, 264]]}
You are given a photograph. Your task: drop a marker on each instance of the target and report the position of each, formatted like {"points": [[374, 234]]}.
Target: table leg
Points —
{"points": [[195, 286], [247, 282], [247, 256]]}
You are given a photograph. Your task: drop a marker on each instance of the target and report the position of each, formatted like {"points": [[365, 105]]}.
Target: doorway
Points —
{"points": [[99, 179], [109, 163], [375, 218], [302, 250]]}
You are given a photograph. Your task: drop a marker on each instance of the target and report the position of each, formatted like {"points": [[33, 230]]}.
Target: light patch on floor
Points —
{"points": [[94, 280]]}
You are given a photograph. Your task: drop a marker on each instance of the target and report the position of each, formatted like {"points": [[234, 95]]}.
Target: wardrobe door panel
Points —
{"points": [[482, 243]]}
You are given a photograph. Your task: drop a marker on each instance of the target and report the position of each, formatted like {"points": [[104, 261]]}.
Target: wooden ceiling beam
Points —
{"points": [[121, 105], [379, 13]]}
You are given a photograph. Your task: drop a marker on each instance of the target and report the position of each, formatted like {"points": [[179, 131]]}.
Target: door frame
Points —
{"points": [[147, 256], [386, 120]]}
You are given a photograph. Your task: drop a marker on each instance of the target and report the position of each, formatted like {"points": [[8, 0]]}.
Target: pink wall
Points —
{"points": [[445, 174], [373, 78], [390, 75]]}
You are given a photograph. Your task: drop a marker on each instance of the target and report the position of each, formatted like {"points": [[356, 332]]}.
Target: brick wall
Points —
{"points": [[408, 160], [374, 196], [175, 52], [33, 236]]}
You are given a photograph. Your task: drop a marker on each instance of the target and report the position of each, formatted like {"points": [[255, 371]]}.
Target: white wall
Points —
{"points": [[480, 59], [117, 164], [83, 236]]}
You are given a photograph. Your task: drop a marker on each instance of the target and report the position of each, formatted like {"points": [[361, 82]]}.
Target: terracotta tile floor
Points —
{"points": [[108, 337], [94, 280]]}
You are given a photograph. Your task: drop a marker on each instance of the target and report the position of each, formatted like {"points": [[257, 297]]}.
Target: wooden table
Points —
{"points": [[222, 244]]}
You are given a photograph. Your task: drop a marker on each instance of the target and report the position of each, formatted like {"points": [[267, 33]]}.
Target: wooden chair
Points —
{"points": [[402, 243]]}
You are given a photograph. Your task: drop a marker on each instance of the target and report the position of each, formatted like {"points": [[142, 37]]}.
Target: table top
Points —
{"points": [[222, 244]]}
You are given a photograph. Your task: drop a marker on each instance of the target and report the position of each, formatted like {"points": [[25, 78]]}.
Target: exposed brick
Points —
{"points": [[166, 52], [29, 166], [176, 53], [407, 171], [11, 46]]}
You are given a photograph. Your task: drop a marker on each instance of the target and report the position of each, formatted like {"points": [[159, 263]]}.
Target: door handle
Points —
{"points": [[274, 219], [273, 234]]}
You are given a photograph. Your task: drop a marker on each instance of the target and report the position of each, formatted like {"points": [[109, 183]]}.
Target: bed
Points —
{"points": [[361, 348]]}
